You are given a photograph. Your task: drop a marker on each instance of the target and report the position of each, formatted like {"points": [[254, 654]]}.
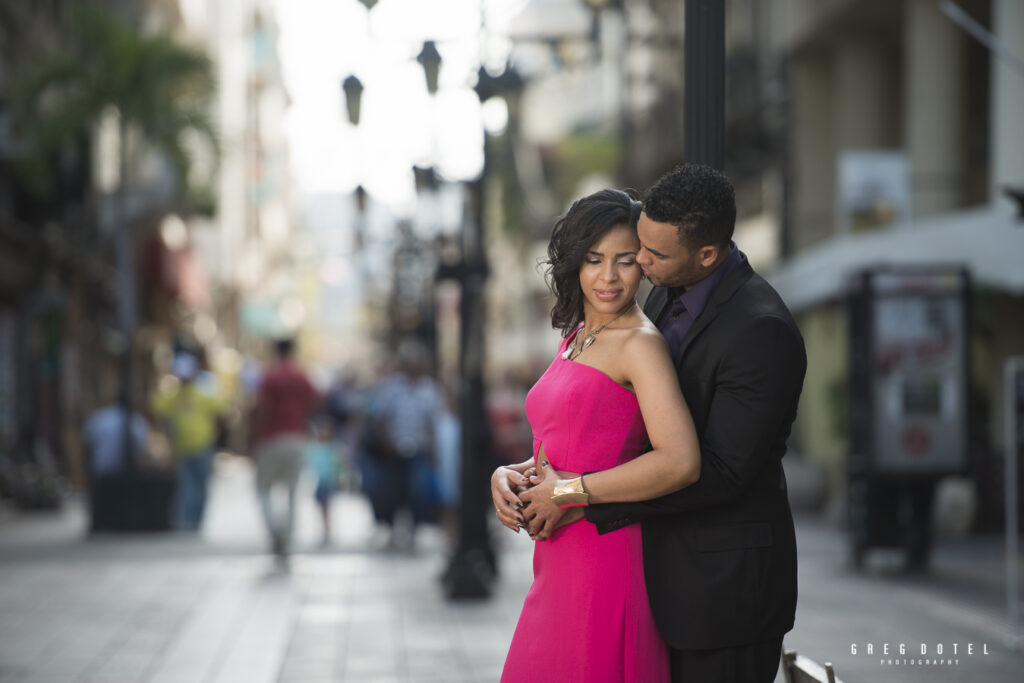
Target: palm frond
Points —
{"points": [[160, 87]]}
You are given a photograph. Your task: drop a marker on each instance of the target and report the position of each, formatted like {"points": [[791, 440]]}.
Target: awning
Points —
{"points": [[989, 241]]}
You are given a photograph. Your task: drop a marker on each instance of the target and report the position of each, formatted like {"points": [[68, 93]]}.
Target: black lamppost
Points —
{"points": [[704, 83], [473, 564], [596, 6], [471, 568], [353, 90], [360, 223]]}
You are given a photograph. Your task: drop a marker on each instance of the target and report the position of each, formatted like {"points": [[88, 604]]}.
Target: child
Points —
{"points": [[326, 465]]}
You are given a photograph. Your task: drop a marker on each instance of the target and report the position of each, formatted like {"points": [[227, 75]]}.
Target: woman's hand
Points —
{"points": [[505, 482], [542, 516]]}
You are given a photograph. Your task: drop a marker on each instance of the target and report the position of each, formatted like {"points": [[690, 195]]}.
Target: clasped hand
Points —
{"points": [[523, 501]]}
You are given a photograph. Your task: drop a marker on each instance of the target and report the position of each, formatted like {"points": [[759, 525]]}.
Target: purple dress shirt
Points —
{"points": [[686, 304]]}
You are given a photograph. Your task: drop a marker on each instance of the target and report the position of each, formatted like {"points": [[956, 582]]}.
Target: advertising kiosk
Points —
{"points": [[908, 393]]}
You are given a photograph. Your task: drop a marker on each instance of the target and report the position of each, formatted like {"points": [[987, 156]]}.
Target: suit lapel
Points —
{"points": [[725, 290], [657, 302]]}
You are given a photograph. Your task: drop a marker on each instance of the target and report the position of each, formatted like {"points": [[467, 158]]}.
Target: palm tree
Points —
{"points": [[161, 91]]}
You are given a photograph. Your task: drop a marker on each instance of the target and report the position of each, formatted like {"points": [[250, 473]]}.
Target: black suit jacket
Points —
{"points": [[720, 555]]}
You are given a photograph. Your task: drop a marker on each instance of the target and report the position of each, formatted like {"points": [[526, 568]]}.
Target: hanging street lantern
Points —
{"points": [[430, 58], [353, 98], [507, 83], [704, 83], [360, 199], [426, 178]]}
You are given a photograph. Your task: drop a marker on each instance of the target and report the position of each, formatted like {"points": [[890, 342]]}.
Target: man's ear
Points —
{"points": [[708, 256]]}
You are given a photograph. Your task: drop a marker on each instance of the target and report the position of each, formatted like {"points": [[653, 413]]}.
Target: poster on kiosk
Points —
{"points": [[909, 381]]}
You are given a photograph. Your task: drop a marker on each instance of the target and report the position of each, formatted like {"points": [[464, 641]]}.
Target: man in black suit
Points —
{"points": [[720, 555]]}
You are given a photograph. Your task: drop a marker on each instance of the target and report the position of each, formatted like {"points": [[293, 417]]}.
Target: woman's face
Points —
{"points": [[609, 275]]}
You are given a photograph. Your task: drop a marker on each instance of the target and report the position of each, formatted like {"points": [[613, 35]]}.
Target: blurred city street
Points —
{"points": [[213, 607], [329, 237]]}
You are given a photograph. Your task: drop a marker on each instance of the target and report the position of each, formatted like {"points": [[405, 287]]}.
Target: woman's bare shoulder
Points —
{"points": [[644, 339], [645, 332]]}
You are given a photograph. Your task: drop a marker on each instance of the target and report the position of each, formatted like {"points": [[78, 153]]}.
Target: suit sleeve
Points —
{"points": [[756, 390]]}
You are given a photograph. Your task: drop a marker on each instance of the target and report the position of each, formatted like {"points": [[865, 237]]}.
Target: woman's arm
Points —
{"points": [[672, 464], [756, 391], [674, 461]]}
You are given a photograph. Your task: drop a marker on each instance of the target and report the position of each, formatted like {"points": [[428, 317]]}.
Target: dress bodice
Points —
{"points": [[586, 420]]}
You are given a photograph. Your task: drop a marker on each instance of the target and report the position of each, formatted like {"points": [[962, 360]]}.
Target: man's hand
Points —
{"points": [[504, 483], [573, 514], [543, 516]]}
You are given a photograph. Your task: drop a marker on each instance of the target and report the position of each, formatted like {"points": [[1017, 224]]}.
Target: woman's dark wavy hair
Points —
{"points": [[586, 222]]}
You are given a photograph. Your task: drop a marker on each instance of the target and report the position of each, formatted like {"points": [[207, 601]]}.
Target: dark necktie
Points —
{"points": [[676, 325]]}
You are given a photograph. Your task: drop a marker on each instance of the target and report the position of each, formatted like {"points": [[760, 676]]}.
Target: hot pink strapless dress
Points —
{"points": [[586, 617]]}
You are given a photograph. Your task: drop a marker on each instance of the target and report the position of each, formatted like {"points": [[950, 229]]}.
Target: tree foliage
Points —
{"points": [[161, 89]]}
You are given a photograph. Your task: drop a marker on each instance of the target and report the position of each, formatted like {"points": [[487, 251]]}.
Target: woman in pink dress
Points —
{"points": [[610, 389]]}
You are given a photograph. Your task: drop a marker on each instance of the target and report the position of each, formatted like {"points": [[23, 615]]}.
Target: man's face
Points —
{"points": [[666, 261]]}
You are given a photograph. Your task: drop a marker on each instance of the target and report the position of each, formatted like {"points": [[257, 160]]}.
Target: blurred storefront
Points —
{"points": [[60, 333], [55, 325], [904, 132], [248, 246]]}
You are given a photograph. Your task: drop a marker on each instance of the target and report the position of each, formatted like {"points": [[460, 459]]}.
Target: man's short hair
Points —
{"points": [[698, 200]]}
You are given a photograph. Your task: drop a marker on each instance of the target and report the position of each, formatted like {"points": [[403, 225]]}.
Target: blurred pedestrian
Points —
{"points": [[448, 449], [190, 416], [103, 436], [285, 402], [512, 437], [399, 440], [343, 405], [325, 461]]}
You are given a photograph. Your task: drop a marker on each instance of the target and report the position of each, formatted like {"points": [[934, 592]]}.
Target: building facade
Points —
{"points": [[903, 132]]}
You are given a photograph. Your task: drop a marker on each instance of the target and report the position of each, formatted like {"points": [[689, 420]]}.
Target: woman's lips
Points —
{"points": [[607, 294]]}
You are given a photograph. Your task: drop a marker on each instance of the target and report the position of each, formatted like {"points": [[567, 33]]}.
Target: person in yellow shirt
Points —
{"points": [[189, 417]]}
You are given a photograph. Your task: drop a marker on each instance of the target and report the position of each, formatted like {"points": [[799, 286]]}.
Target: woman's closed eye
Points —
{"points": [[595, 261]]}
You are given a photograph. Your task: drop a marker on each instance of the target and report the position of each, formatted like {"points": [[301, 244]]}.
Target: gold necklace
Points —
{"points": [[574, 351]]}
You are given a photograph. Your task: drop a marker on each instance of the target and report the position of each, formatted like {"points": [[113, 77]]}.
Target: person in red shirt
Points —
{"points": [[285, 401]]}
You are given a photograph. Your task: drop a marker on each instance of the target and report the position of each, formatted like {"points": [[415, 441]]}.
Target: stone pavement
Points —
{"points": [[850, 617], [213, 607], [171, 607]]}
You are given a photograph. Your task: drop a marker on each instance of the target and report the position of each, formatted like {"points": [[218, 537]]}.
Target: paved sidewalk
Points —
{"points": [[850, 617], [212, 608], [184, 608]]}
